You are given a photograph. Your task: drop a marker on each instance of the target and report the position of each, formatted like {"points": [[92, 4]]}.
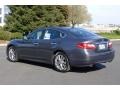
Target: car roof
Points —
{"points": [[63, 28]]}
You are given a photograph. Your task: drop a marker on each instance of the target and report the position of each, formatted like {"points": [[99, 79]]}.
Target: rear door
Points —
{"points": [[47, 45]]}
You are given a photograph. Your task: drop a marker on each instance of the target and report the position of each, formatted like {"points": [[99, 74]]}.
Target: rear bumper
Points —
{"points": [[92, 59]]}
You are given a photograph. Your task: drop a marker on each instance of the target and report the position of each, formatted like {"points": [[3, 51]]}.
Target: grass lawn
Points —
{"points": [[110, 35]]}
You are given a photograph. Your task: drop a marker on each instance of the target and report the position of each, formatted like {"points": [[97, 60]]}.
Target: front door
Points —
{"points": [[29, 46]]}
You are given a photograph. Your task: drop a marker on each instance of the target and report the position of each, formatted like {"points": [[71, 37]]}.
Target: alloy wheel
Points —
{"points": [[12, 54], [61, 63]]}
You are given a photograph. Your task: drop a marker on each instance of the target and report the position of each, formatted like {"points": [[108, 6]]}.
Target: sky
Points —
{"points": [[104, 14]]}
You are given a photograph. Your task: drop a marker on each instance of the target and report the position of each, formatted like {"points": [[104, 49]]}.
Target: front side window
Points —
{"points": [[36, 35], [52, 34]]}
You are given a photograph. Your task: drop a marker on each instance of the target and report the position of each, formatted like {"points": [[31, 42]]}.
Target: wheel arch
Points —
{"points": [[56, 51], [59, 51], [10, 45]]}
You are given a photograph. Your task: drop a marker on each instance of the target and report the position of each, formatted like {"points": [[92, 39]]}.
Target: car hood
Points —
{"points": [[14, 41]]}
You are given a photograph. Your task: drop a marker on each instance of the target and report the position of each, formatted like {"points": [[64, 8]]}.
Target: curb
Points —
{"points": [[3, 44], [114, 39]]}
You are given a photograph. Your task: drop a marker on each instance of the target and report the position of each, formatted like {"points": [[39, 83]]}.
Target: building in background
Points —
{"points": [[2, 15], [99, 27], [4, 10]]}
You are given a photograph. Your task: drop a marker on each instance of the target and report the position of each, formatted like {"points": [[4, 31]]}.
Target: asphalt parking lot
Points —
{"points": [[26, 72]]}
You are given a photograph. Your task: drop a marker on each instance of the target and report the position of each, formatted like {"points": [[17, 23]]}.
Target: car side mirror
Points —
{"points": [[25, 34]]}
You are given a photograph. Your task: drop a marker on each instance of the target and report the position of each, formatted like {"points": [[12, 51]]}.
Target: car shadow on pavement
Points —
{"points": [[37, 64], [74, 69], [88, 69]]}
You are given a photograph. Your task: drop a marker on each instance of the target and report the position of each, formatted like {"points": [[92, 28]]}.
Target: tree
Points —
{"points": [[26, 18], [78, 14]]}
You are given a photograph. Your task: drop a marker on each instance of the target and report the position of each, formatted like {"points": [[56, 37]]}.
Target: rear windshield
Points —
{"points": [[82, 32]]}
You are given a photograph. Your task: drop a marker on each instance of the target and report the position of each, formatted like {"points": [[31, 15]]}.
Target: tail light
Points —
{"points": [[110, 44], [85, 45]]}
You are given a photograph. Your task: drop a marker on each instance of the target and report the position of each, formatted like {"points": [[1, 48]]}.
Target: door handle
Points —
{"points": [[53, 43], [35, 43]]}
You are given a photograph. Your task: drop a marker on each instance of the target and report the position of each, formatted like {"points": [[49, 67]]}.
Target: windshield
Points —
{"points": [[82, 32]]}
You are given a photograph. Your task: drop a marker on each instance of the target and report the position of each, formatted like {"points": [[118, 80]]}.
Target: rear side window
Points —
{"points": [[82, 32], [53, 34]]}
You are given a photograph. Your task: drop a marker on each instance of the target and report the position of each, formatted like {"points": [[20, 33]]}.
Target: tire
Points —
{"points": [[12, 54], [94, 65], [61, 62]]}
